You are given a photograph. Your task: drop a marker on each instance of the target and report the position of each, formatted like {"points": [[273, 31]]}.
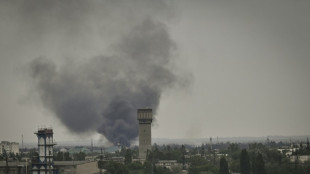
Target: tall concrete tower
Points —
{"points": [[145, 134], [44, 162]]}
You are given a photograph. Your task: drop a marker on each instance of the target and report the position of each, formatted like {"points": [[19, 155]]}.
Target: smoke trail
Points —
{"points": [[104, 92]]}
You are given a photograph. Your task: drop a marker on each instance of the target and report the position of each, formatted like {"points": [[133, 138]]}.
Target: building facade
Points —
{"points": [[168, 164], [9, 147], [145, 118], [77, 167]]}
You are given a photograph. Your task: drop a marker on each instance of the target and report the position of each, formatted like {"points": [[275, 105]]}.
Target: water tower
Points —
{"points": [[145, 118]]}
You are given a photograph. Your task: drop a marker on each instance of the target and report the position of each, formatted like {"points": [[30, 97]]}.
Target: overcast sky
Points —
{"points": [[243, 66]]}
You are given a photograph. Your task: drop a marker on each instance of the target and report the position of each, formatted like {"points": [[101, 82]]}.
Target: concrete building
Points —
{"points": [[44, 163], [145, 135], [77, 167], [14, 167], [9, 147]]}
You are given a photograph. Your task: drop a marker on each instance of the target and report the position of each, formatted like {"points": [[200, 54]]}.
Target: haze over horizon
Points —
{"points": [[210, 68]]}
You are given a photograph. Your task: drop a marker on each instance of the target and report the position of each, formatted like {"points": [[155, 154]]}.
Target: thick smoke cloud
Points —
{"points": [[103, 93]]}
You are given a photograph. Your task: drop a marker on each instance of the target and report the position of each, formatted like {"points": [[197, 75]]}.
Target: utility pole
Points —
{"points": [[27, 165], [22, 146], [22, 141], [212, 151], [92, 146], [5, 155], [211, 143], [7, 164]]}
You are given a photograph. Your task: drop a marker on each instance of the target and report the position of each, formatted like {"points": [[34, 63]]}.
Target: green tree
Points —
{"points": [[176, 170], [223, 166], [59, 156], [135, 166], [148, 168], [101, 164], [128, 157], [183, 152], [259, 165], [202, 151], [116, 168], [162, 170], [19, 156], [197, 161], [32, 152], [233, 147], [301, 146], [79, 156], [62, 156], [6, 157], [244, 162], [67, 156], [308, 145], [193, 170], [149, 164], [199, 164]]}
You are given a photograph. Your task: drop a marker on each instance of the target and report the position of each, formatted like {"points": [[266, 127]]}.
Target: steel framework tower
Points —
{"points": [[44, 164], [145, 118]]}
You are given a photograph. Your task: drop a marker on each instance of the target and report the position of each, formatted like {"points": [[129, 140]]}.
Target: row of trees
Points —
{"points": [[148, 167], [261, 160], [199, 164], [258, 164], [303, 150], [10, 156], [256, 158], [59, 156]]}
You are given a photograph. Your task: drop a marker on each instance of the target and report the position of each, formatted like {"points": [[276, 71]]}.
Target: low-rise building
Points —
{"points": [[14, 167], [167, 163], [76, 167], [301, 158]]}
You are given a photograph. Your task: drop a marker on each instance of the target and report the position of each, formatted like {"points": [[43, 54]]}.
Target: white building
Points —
{"points": [[301, 158], [167, 163], [9, 147]]}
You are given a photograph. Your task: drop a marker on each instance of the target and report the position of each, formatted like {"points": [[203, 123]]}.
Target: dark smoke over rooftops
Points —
{"points": [[103, 93]]}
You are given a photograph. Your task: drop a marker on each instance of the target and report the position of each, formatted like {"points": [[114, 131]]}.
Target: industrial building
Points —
{"points": [[9, 147], [76, 167], [14, 167], [145, 118]]}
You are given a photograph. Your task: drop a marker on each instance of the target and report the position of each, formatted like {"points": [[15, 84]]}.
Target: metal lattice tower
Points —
{"points": [[44, 164]]}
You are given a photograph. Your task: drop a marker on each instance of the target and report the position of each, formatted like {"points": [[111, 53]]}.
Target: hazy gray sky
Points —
{"points": [[246, 63]]}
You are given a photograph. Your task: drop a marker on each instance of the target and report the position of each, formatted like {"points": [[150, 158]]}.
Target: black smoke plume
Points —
{"points": [[103, 93]]}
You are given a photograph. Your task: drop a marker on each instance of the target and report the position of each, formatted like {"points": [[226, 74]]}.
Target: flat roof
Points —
{"points": [[144, 110], [56, 163]]}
